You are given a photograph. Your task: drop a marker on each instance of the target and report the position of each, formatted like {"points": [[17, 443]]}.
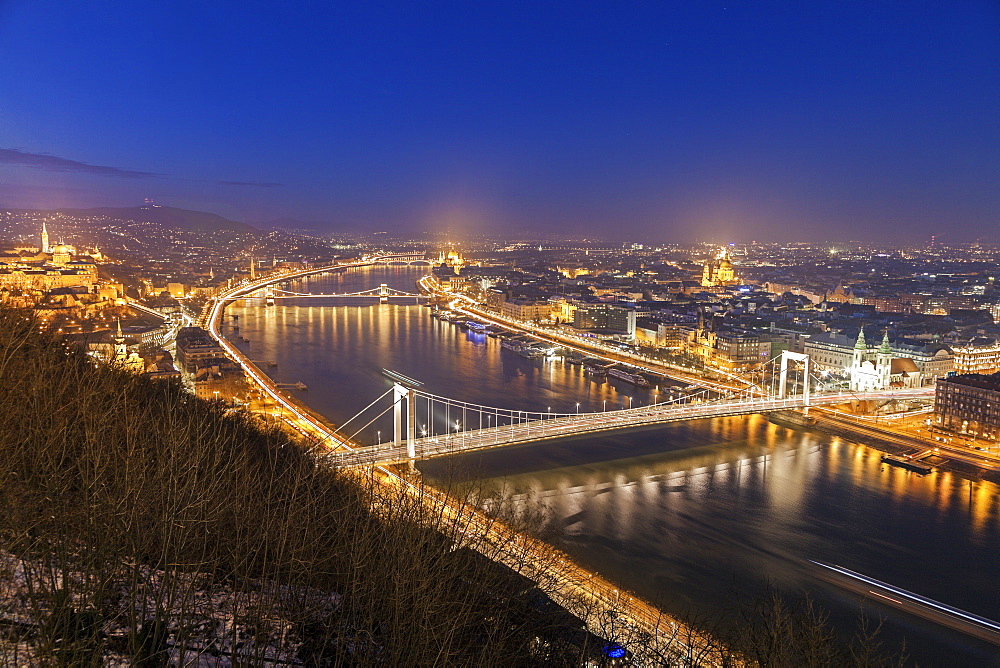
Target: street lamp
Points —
{"points": [[578, 408], [380, 438]]}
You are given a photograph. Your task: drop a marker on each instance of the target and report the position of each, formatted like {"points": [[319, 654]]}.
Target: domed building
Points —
{"points": [[62, 254], [719, 271], [452, 258]]}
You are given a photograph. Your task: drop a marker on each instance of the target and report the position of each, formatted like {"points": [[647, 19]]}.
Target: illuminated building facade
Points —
{"points": [[969, 403], [879, 367], [451, 258], [980, 356]]}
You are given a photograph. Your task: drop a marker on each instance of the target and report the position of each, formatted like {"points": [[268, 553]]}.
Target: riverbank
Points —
{"points": [[890, 442]]}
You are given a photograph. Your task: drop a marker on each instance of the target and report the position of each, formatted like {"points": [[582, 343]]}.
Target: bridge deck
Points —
{"points": [[538, 430]]}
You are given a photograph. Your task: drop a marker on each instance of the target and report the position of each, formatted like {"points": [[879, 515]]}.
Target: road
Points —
{"points": [[976, 458]]}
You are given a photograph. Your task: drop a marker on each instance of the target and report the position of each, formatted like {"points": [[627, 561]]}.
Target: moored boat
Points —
{"points": [[907, 463], [400, 378], [628, 376]]}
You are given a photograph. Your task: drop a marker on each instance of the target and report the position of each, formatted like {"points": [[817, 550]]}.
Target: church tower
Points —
{"points": [[121, 350], [883, 361], [860, 348], [45, 239], [857, 359], [708, 274]]}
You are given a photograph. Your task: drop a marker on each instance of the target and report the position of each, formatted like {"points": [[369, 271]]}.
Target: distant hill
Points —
{"points": [[291, 224], [168, 216]]}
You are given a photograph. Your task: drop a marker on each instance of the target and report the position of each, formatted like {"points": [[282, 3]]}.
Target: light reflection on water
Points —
{"points": [[683, 513]]}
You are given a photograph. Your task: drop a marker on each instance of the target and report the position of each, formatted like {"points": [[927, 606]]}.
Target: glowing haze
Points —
{"points": [[648, 121]]}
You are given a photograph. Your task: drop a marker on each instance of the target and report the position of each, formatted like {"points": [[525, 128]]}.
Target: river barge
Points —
{"points": [[907, 463]]}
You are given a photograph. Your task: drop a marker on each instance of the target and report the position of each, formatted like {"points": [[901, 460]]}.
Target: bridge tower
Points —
{"points": [[269, 296], [786, 357], [383, 294], [404, 427]]}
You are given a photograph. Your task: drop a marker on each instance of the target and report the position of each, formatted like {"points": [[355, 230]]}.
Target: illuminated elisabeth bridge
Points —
{"points": [[427, 425]]}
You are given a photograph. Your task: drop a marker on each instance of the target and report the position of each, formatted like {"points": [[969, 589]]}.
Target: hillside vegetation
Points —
{"points": [[140, 524]]}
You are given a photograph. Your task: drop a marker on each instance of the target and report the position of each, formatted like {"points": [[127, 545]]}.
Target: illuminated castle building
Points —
{"points": [[719, 271], [47, 267]]}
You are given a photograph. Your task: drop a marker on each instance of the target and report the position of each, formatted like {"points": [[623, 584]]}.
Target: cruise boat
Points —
{"points": [[400, 378], [596, 367], [477, 326], [628, 376], [515, 343], [536, 349]]}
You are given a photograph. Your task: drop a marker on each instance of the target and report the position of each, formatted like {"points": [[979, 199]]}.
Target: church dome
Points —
{"points": [[61, 248]]}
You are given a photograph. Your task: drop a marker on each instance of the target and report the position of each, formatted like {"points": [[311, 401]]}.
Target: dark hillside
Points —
{"points": [[167, 216], [139, 523]]}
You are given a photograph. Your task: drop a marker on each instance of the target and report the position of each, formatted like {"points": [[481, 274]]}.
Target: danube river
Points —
{"points": [[689, 515]]}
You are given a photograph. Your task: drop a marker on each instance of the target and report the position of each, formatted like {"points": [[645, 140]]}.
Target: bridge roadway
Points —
{"points": [[430, 447]]}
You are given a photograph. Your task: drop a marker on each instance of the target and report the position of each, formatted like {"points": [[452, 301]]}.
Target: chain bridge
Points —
{"points": [[270, 294]]}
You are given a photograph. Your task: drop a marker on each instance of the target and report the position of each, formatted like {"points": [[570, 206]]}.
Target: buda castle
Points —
{"points": [[47, 267]]}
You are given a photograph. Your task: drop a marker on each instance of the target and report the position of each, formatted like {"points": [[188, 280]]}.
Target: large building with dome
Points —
{"points": [[719, 271]]}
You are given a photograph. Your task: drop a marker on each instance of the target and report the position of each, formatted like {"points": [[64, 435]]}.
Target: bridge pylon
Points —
{"points": [[786, 357], [403, 395], [269, 297], [383, 294]]}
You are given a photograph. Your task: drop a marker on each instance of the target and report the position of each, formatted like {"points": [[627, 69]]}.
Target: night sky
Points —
{"points": [[645, 121]]}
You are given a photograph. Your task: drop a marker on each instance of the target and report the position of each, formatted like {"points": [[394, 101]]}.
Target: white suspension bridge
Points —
{"points": [[426, 425]]}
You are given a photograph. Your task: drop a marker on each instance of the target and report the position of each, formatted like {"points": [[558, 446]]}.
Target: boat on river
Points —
{"points": [[400, 378], [516, 343], [907, 463], [597, 367], [621, 373]]}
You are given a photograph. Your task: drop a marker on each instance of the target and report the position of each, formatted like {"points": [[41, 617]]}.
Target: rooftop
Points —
{"points": [[982, 381]]}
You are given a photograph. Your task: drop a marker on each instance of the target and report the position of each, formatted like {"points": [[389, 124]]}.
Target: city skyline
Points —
{"points": [[725, 122]]}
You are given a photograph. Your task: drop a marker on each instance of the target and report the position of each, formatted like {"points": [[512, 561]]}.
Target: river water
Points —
{"points": [[687, 515]]}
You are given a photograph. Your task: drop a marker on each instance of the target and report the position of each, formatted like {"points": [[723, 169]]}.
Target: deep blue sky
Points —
{"points": [[721, 121]]}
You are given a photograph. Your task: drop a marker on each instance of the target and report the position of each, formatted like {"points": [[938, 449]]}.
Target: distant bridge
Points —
{"points": [[383, 293], [400, 258]]}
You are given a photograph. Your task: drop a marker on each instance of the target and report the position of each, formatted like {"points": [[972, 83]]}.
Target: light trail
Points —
{"points": [[981, 627]]}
